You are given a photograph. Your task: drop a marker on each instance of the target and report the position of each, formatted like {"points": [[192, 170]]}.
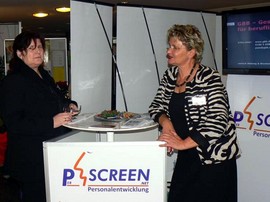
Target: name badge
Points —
{"points": [[199, 100]]}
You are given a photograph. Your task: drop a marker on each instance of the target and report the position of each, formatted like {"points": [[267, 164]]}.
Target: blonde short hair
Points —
{"points": [[191, 38]]}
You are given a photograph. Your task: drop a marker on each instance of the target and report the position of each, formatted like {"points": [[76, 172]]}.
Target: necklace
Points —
{"points": [[184, 82]]}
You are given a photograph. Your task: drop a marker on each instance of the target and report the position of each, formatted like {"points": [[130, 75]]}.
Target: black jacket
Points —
{"points": [[27, 105]]}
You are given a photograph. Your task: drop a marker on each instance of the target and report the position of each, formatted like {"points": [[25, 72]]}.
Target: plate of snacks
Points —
{"points": [[115, 115]]}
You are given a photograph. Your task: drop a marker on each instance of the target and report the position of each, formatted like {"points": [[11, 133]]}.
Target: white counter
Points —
{"points": [[79, 169]]}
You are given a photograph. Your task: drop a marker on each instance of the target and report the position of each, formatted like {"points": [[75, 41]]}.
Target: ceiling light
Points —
{"points": [[40, 15], [63, 9]]}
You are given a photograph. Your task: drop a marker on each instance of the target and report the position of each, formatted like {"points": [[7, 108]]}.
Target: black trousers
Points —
{"points": [[33, 192]]}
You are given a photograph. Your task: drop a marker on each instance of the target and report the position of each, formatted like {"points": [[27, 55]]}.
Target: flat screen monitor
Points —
{"points": [[246, 41]]}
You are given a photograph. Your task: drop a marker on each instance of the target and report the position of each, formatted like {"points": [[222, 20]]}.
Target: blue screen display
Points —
{"points": [[246, 47]]}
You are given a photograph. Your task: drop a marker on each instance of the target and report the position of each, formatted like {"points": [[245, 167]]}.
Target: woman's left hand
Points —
{"points": [[61, 119], [172, 140]]}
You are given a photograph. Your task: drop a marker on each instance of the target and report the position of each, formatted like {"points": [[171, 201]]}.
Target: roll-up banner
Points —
{"points": [[250, 98]]}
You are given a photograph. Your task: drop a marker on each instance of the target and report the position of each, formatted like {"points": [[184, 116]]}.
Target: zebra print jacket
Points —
{"points": [[209, 118]]}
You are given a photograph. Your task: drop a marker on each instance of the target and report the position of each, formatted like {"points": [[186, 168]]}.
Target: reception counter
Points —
{"points": [[105, 163]]}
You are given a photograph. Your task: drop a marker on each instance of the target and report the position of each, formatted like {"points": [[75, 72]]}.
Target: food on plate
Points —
{"points": [[109, 114], [127, 115], [115, 114]]}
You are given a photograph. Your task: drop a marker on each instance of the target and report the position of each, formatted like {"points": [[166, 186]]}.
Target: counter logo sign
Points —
{"points": [[69, 173], [106, 179], [247, 119]]}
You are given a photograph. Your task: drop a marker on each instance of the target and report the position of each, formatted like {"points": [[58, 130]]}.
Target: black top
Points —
{"points": [[187, 159], [177, 114]]}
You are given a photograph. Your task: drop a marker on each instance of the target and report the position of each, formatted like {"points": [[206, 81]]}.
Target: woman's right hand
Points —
{"points": [[61, 119]]}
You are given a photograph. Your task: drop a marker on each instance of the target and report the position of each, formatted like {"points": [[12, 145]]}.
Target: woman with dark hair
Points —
{"points": [[32, 110]]}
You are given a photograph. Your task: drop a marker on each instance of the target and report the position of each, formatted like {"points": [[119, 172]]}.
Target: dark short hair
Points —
{"points": [[21, 43], [24, 39]]}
